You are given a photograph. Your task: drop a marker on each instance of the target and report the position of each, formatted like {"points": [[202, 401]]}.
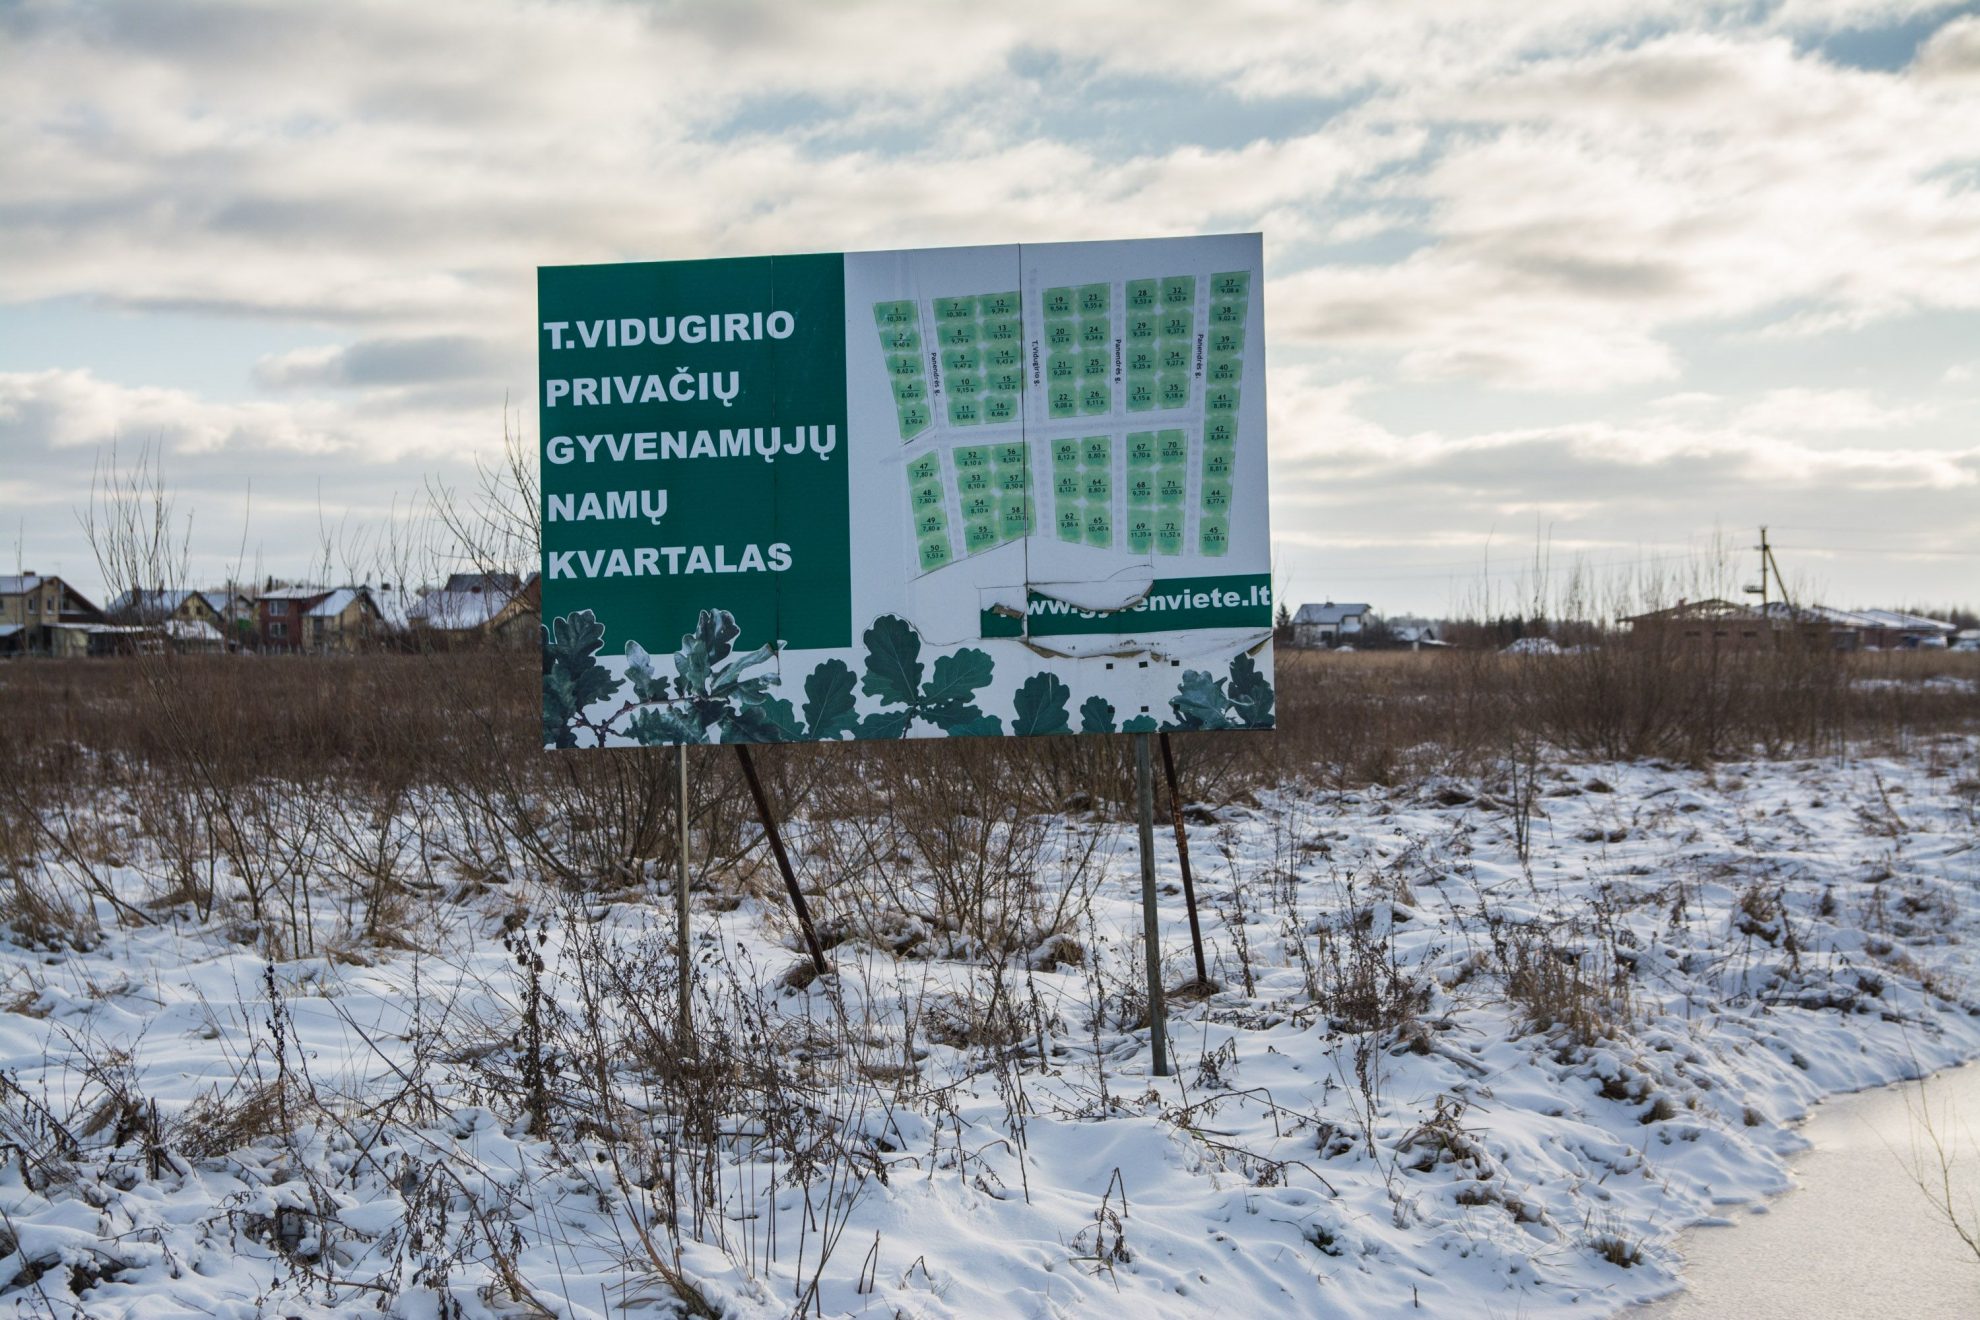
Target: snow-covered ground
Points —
{"points": [[1434, 1075]]}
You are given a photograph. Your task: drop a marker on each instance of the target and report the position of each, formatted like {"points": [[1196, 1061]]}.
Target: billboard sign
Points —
{"points": [[984, 491]]}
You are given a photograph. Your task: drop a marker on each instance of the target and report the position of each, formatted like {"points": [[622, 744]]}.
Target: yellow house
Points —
{"points": [[162, 605], [32, 606], [344, 620]]}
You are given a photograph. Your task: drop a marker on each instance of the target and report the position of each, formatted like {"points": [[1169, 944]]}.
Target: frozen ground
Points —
{"points": [[1434, 1076]]}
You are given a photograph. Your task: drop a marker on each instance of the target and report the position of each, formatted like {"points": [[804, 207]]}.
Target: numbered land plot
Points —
{"points": [[904, 350], [1159, 327], [993, 483], [931, 511], [1157, 490], [1084, 475], [980, 339]]}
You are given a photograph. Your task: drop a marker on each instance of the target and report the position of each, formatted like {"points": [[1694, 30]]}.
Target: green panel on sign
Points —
{"points": [[1143, 295], [767, 540], [1058, 302], [1230, 284]]}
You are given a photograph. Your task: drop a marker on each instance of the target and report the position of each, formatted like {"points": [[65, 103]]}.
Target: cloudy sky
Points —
{"points": [[1619, 277]]}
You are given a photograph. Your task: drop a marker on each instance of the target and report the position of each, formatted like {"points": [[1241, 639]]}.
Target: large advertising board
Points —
{"points": [[983, 491]]}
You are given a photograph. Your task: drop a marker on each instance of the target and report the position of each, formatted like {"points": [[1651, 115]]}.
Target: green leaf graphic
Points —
{"points": [[957, 678], [1041, 706], [658, 725], [885, 724], [1250, 693], [983, 726], [1141, 724], [829, 705], [1200, 704], [893, 661], [1096, 715]]}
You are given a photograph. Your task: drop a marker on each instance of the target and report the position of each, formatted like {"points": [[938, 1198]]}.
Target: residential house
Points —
{"points": [[237, 614], [345, 620], [278, 617], [33, 607], [159, 605], [478, 607], [1328, 624]]}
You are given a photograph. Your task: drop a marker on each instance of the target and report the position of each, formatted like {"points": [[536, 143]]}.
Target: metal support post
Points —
{"points": [[818, 963], [1158, 1023], [681, 902], [1182, 856]]}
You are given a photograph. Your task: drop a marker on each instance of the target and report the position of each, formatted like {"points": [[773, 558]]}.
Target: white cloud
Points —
{"points": [[1816, 411]]}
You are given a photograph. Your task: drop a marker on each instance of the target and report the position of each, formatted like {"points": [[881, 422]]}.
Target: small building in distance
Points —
{"points": [[157, 605], [1328, 624], [278, 617], [34, 611], [1706, 623], [477, 608], [345, 620]]}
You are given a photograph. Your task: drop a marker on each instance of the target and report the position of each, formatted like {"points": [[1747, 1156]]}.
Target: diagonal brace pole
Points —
{"points": [[769, 822]]}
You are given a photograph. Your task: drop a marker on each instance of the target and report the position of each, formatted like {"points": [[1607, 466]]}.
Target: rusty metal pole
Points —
{"points": [[818, 963], [1182, 855]]}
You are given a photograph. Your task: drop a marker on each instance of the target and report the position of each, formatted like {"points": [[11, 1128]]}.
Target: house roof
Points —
{"points": [[294, 593], [459, 609], [1328, 613], [333, 604], [19, 584], [504, 584], [159, 599], [9, 629], [1889, 620]]}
